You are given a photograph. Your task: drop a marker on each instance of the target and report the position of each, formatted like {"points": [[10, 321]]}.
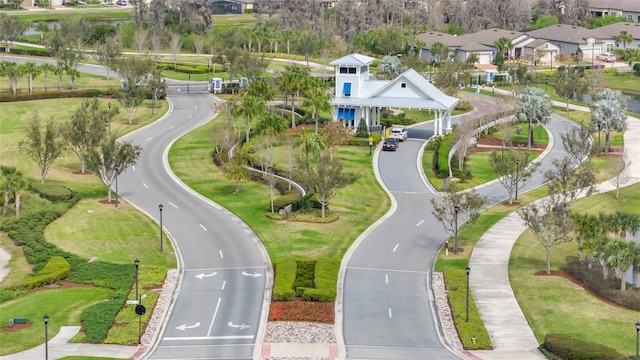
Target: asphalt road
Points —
{"points": [[217, 311], [388, 310]]}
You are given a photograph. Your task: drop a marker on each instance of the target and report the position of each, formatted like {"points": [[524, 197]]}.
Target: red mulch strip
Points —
{"points": [[16, 327], [299, 310]]}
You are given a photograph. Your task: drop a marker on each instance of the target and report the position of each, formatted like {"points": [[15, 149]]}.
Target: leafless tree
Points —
{"points": [[175, 49], [620, 170], [156, 42], [140, 40], [464, 135]]}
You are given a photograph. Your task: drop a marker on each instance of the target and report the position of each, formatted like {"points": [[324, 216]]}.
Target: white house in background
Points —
{"points": [[488, 38], [359, 98], [458, 47]]}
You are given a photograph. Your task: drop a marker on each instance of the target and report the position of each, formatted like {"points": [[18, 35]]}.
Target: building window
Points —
{"points": [[629, 17], [343, 70], [352, 70], [346, 114], [403, 85], [346, 89]]}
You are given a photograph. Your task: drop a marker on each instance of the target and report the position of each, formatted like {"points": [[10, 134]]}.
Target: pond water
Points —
{"points": [[633, 101], [31, 30]]}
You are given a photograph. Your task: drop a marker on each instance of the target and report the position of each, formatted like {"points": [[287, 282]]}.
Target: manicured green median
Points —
{"points": [[284, 238]]}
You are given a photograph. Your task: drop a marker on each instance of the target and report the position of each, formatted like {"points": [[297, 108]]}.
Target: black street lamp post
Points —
{"points": [[517, 173], [370, 142], [45, 318], [455, 229], [468, 269], [137, 263], [117, 168], [433, 62], [160, 207], [546, 84], [638, 340], [109, 120]]}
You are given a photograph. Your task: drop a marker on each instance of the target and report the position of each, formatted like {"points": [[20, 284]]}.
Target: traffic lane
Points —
{"points": [[406, 241], [398, 168], [216, 306], [389, 309], [199, 352]]}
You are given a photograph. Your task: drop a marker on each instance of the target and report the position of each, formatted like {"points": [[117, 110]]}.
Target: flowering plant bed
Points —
{"points": [[299, 310]]}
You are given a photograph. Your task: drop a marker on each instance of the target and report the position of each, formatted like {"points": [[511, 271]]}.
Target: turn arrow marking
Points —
{"points": [[184, 327], [203, 275], [241, 326], [252, 275]]}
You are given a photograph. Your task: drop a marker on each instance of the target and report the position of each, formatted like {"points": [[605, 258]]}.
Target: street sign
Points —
{"points": [[132, 302], [140, 309]]}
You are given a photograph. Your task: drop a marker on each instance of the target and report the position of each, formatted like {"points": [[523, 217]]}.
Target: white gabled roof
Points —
{"points": [[382, 93], [353, 59]]}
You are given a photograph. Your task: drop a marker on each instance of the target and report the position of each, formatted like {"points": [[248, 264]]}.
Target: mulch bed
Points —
{"points": [[492, 141], [300, 310]]}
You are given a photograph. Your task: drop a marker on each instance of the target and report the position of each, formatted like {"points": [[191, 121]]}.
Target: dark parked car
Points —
{"points": [[390, 144]]}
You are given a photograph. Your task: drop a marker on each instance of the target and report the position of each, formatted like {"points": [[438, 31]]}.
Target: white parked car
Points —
{"points": [[607, 57], [398, 132]]}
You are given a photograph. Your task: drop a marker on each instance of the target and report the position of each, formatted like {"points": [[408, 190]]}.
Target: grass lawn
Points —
{"points": [[554, 304], [86, 81], [284, 238], [14, 121], [63, 306], [94, 230]]}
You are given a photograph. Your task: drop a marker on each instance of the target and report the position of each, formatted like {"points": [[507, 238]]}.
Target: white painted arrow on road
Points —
{"points": [[241, 326], [252, 275], [184, 327], [203, 275]]}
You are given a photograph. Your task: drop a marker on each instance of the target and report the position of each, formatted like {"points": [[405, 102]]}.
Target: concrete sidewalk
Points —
{"points": [[510, 332], [60, 347]]}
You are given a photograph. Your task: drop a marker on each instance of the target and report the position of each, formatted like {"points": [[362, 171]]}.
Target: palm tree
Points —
{"points": [[43, 28], [439, 51], [271, 125], [608, 114], [620, 256], [46, 68], [625, 38], [310, 143], [623, 222], [588, 228], [293, 80], [318, 99], [534, 105], [249, 108], [261, 90], [503, 45], [13, 72], [32, 70]]}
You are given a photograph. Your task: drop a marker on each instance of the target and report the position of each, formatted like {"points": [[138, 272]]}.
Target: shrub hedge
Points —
{"points": [[98, 318], [325, 279], [51, 192], [56, 269], [608, 289], [568, 348], [81, 93], [285, 269], [455, 280]]}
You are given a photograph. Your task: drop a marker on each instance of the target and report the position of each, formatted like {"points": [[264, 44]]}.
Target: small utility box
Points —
{"points": [[19, 320]]}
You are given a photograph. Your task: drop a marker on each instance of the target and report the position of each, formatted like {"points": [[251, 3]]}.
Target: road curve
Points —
{"points": [[387, 303], [217, 311]]}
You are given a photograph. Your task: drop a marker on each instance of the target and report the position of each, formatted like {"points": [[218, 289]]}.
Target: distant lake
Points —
{"points": [[633, 101], [31, 30]]}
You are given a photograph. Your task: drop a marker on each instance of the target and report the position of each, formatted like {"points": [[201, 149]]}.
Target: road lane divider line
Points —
{"points": [[395, 247], [203, 228], [224, 283], [172, 204], [386, 278], [149, 138], [221, 256], [229, 337], [145, 185], [390, 314], [213, 319], [420, 223]]}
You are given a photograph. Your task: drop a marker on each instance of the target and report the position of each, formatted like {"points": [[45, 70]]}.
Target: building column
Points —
{"points": [[448, 116]]}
